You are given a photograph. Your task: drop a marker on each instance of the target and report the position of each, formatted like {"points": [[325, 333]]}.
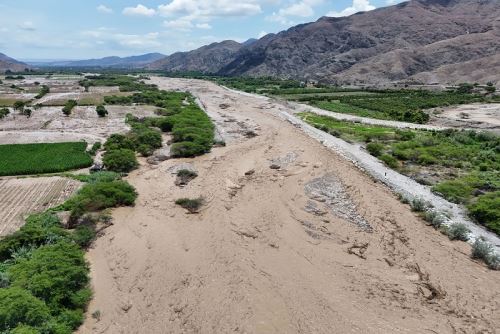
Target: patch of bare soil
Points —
{"points": [[256, 260], [476, 116], [21, 197]]}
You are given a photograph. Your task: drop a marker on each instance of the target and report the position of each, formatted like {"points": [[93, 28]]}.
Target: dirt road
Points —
{"points": [[313, 247]]}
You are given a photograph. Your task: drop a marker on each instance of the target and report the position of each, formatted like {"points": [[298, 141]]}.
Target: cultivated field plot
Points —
{"points": [[26, 159], [20, 197], [48, 124]]}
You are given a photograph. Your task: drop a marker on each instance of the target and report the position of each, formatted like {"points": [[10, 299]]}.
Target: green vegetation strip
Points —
{"points": [[465, 163], [406, 105], [403, 105], [44, 278], [26, 159], [125, 82], [191, 128]]}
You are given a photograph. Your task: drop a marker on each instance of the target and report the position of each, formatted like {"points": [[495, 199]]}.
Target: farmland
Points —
{"points": [[20, 197], [25, 159], [407, 105]]}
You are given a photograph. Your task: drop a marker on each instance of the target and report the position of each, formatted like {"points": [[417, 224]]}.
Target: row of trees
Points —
{"points": [[21, 107]]}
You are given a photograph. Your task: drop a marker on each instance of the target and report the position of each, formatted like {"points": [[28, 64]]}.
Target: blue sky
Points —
{"points": [[79, 29]]}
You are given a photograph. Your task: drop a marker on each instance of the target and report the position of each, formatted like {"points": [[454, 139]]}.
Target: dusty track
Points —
{"points": [[279, 251]]}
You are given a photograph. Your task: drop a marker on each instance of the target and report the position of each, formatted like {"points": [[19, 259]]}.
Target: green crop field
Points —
{"points": [[26, 159]]}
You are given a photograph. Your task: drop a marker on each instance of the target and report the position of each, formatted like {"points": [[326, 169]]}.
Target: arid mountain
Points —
{"points": [[7, 63], [114, 62], [210, 58], [426, 40]]}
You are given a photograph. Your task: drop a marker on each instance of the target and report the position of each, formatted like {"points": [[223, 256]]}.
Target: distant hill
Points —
{"points": [[419, 40], [10, 64], [113, 62], [210, 58]]}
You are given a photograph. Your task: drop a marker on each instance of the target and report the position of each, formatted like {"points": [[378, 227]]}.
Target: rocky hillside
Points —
{"points": [[7, 63], [210, 58], [424, 40]]}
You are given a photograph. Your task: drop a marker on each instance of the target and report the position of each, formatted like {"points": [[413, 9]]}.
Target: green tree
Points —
{"points": [[19, 106], [68, 107], [119, 141], [4, 112], [120, 160], [55, 273], [18, 306], [101, 111], [491, 89], [27, 112]]}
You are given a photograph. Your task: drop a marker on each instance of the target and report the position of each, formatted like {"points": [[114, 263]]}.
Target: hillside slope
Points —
{"points": [[7, 63], [427, 40], [210, 58]]}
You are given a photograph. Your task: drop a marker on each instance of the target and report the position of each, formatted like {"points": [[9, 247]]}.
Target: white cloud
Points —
{"points": [[210, 9], [357, 6], [27, 25], [262, 34], [104, 9], [303, 9], [182, 24], [139, 10], [105, 36], [205, 26], [188, 14]]}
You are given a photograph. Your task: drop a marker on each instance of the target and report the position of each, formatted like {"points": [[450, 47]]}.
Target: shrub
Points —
{"points": [[4, 112], [390, 161], [19, 105], [419, 205], [101, 111], [118, 141], [426, 159], [18, 306], [43, 91], [146, 140], [375, 149], [102, 176], [434, 218], [192, 205], [39, 230], [482, 250], [24, 329], [68, 107], [120, 160], [455, 191], [166, 124], [184, 176], [486, 211], [83, 235], [405, 135], [96, 147], [458, 231], [187, 149], [54, 273], [101, 195]]}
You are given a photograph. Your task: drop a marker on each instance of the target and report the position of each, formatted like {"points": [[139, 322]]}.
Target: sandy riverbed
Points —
{"points": [[314, 247]]}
